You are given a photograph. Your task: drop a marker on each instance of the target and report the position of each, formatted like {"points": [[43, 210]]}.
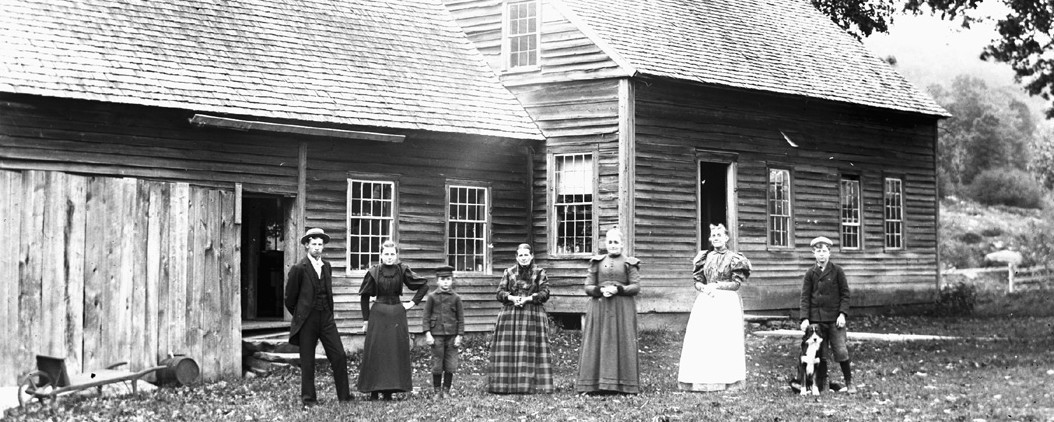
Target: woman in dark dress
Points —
{"points": [[608, 362], [385, 366], [519, 354]]}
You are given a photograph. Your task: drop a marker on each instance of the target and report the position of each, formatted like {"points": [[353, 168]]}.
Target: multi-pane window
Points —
{"points": [[371, 217], [894, 213], [779, 207], [850, 192], [573, 204], [467, 228], [522, 41]]}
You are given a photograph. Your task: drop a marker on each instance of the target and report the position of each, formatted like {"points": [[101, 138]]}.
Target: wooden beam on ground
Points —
{"points": [[860, 336], [202, 120]]}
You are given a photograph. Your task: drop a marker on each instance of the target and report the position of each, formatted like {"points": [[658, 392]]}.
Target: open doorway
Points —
{"points": [[263, 256], [713, 199]]}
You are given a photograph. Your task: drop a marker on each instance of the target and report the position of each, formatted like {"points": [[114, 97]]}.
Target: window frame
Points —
{"points": [[790, 205], [551, 215], [487, 224], [393, 225], [506, 37], [903, 214], [860, 225]]}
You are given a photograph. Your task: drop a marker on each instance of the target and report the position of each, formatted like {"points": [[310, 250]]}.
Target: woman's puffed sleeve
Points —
{"points": [[740, 267], [698, 275], [591, 287], [503, 286], [415, 282], [633, 276], [542, 295], [367, 289]]}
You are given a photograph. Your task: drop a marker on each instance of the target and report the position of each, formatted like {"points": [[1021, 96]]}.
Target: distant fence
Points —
{"points": [[1009, 278]]}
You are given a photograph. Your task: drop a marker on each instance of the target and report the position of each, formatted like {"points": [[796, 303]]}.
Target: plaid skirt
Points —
{"points": [[520, 361]]}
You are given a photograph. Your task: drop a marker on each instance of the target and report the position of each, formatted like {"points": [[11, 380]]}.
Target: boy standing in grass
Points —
{"points": [[444, 324], [825, 302]]}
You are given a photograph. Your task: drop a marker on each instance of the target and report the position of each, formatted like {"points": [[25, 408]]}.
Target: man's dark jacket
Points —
{"points": [[300, 288]]}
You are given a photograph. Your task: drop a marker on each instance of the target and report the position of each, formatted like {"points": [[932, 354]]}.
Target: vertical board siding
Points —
{"points": [[74, 261], [12, 353], [92, 263], [674, 121], [426, 163], [30, 315], [179, 243]]}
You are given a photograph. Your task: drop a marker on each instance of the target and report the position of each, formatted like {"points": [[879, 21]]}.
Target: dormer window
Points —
{"points": [[521, 34]]}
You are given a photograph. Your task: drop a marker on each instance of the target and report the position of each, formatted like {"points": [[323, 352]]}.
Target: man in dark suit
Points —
{"points": [[309, 297]]}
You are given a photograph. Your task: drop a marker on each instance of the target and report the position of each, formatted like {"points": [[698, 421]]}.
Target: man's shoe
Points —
{"points": [[850, 388]]}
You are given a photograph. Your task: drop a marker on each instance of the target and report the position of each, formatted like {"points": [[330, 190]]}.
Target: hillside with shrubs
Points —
{"points": [[969, 230], [995, 169]]}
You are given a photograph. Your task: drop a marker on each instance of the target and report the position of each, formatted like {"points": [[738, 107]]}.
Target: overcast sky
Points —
{"points": [[929, 50]]}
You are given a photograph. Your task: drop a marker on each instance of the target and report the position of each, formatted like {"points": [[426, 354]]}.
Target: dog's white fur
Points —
{"points": [[810, 360]]}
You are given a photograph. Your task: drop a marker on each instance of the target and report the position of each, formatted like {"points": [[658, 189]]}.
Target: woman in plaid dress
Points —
{"points": [[519, 352]]}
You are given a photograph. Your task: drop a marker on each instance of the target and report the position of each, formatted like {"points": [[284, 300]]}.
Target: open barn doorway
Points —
{"points": [[263, 252]]}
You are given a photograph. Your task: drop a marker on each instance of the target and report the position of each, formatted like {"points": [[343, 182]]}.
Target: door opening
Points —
{"points": [[263, 256], [713, 199]]}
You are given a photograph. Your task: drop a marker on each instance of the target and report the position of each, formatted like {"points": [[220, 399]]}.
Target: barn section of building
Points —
{"points": [[157, 166]]}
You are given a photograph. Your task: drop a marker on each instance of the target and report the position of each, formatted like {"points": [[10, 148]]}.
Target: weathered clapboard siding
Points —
{"points": [[678, 123], [565, 53], [89, 137], [575, 117], [89, 281], [421, 166]]}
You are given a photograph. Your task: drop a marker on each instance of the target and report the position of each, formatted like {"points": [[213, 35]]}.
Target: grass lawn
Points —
{"points": [[1009, 375]]}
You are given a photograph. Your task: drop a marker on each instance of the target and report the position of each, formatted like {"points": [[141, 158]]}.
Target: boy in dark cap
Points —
{"points": [[825, 302], [444, 324]]}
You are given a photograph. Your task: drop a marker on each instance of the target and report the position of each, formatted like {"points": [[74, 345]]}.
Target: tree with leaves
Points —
{"points": [[1026, 37], [989, 129]]}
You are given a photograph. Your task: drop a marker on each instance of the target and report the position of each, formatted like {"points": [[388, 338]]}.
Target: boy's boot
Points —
{"points": [[847, 372], [437, 384], [448, 379]]}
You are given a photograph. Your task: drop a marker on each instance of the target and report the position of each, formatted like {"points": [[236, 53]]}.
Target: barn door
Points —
{"points": [[99, 270]]}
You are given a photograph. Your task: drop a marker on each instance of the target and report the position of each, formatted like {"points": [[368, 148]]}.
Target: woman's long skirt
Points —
{"points": [[385, 362], [713, 357], [519, 353], [609, 347]]}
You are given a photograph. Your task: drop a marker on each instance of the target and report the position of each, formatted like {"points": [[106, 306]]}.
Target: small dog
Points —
{"points": [[811, 354]]}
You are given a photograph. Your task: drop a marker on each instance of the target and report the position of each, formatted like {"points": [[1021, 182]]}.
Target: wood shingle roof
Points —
{"points": [[394, 64], [782, 46]]}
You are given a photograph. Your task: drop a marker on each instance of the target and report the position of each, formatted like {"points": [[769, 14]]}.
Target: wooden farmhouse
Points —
{"points": [[664, 117], [158, 160]]}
